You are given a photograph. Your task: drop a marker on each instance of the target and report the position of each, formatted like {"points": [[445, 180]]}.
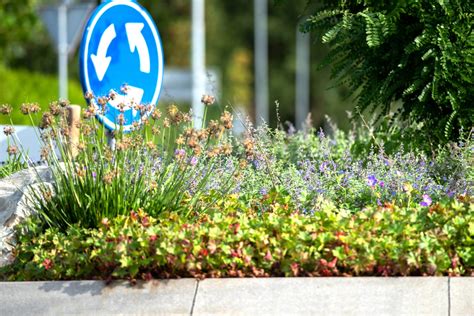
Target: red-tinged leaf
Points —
{"points": [[332, 264]]}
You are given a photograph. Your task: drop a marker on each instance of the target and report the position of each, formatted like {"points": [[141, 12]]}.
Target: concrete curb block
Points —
{"points": [[271, 296]]}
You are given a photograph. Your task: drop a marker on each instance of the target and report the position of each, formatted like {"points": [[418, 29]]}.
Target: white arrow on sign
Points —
{"points": [[101, 61], [136, 40]]}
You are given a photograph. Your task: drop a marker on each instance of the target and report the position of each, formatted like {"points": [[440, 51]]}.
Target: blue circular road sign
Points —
{"points": [[121, 62]]}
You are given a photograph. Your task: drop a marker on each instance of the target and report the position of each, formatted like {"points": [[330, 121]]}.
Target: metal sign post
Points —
{"points": [[261, 61], [198, 60], [62, 49], [65, 23], [302, 77]]}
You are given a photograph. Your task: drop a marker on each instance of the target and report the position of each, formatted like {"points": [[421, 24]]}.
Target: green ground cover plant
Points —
{"points": [[233, 240], [172, 200]]}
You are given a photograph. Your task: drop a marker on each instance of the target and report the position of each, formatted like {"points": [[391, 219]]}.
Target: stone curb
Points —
{"points": [[270, 296]]}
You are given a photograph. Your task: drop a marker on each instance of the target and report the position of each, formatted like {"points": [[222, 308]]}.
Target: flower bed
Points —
{"points": [[171, 200]]}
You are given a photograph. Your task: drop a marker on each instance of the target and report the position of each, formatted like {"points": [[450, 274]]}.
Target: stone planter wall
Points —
{"points": [[15, 195]]}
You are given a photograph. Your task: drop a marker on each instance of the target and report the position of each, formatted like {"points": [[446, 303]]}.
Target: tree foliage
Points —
{"points": [[420, 52]]}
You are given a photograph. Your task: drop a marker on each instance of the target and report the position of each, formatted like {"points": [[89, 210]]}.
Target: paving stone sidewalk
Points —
{"points": [[271, 296]]}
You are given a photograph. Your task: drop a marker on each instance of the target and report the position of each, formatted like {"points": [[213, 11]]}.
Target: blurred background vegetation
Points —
{"points": [[28, 61]]}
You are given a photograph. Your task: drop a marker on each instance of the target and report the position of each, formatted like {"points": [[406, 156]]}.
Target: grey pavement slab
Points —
{"points": [[323, 296], [462, 296], [95, 298]]}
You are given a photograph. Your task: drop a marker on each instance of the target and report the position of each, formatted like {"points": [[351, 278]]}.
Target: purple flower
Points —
{"points": [[193, 161], [179, 153], [94, 175], [323, 166], [371, 180], [382, 184], [263, 191], [426, 200]]}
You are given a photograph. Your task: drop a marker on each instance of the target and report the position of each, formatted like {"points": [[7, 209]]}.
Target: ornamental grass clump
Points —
{"points": [[163, 164]]}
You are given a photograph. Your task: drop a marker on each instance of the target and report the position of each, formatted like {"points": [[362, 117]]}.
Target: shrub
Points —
{"points": [[417, 51], [232, 241]]}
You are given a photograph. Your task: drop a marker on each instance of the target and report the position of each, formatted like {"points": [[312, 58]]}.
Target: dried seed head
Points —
{"points": [[214, 128], [12, 150], [155, 130], [81, 146], [120, 119], [63, 103], [86, 114], [5, 109], [80, 172], [109, 155], [226, 149], [226, 120], [122, 145], [172, 110], [186, 117], [88, 95], [30, 108], [103, 101], [150, 145], [65, 131], [153, 185], [190, 132], [35, 108], [202, 134], [180, 140], [208, 99], [108, 178], [197, 150], [112, 95], [46, 120], [8, 130], [213, 152], [25, 108], [248, 145], [166, 123], [54, 108], [142, 108], [192, 142], [86, 129], [156, 115]]}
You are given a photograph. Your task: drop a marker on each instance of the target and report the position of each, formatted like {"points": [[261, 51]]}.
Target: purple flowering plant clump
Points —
{"points": [[313, 168]]}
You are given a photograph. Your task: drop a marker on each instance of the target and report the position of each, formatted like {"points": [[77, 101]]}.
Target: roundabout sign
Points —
{"points": [[121, 58]]}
